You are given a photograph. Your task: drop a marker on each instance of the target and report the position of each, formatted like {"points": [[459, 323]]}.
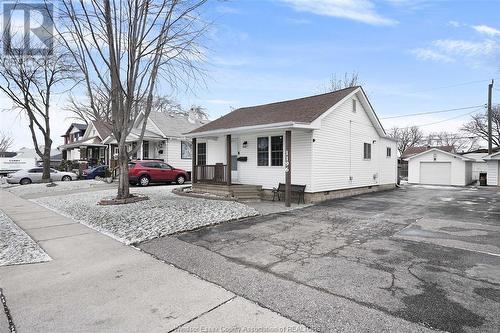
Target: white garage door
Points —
{"points": [[435, 173]]}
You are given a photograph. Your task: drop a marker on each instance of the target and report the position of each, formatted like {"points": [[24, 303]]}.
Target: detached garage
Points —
{"points": [[438, 167], [493, 164]]}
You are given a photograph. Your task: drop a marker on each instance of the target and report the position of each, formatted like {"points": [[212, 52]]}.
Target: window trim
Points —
{"points": [[388, 152], [269, 151], [184, 142], [367, 157], [261, 152], [198, 153], [354, 105]]}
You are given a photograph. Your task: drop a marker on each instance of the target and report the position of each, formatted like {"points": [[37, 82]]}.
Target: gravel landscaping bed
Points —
{"points": [[164, 213], [16, 247], [23, 190]]}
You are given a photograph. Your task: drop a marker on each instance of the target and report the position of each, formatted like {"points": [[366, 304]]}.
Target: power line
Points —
{"points": [[450, 86], [433, 112], [445, 120]]}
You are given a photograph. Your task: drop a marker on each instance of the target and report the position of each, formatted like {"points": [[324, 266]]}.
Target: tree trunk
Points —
{"points": [[46, 161], [123, 182]]}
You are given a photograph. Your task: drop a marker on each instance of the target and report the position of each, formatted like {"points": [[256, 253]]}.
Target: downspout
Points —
{"points": [[350, 151]]}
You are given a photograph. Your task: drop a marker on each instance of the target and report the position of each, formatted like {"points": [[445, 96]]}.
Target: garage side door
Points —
{"points": [[435, 173]]}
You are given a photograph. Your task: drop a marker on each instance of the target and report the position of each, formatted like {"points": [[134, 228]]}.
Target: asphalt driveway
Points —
{"points": [[414, 259]]}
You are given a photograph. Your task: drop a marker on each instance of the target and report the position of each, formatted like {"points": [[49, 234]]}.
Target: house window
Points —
{"points": [[367, 151], [186, 150], [354, 105], [273, 153], [263, 151], [389, 152], [101, 152], [277, 150], [202, 153]]}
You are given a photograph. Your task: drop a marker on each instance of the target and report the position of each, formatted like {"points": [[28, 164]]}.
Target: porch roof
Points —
{"points": [[134, 136], [93, 141]]}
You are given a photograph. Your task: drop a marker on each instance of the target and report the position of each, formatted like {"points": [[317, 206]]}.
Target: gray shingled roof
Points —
{"points": [[302, 110], [104, 129], [174, 125]]}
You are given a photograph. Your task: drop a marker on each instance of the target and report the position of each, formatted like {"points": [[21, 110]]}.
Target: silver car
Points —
{"points": [[34, 175]]}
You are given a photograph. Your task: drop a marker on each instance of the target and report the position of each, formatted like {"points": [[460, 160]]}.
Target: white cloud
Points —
{"points": [[467, 48], [222, 101], [486, 30], [455, 24], [428, 54], [357, 10]]}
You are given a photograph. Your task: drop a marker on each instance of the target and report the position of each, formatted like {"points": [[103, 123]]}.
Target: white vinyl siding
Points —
{"points": [[338, 152], [267, 176], [460, 170], [493, 172]]}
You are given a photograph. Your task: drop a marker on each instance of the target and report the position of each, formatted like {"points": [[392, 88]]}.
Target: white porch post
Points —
{"points": [[140, 154]]}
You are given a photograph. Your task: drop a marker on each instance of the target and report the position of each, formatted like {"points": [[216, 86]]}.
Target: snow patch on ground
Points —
{"points": [[163, 214], [16, 247], [22, 190], [467, 202]]}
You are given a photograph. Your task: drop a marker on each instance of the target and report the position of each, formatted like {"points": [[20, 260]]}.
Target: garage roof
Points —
{"points": [[441, 151]]}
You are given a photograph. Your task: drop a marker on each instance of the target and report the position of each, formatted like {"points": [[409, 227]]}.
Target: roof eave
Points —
{"points": [[441, 151], [247, 129]]}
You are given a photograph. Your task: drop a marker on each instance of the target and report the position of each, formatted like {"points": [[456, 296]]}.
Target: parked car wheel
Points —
{"points": [[180, 180], [66, 178], [144, 181], [25, 181]]}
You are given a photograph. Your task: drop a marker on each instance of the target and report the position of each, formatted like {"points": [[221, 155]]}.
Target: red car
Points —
{"points": [[145, 172]]}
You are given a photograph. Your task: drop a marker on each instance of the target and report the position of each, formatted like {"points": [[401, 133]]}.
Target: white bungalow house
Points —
{"points": [[439, 167], [332, 143], [163, 139], [493, 169]]}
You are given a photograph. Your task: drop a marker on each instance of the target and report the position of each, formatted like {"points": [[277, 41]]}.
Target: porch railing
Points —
{"points": [[212, 174]]}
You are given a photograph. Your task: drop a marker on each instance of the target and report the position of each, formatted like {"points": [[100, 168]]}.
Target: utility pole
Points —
{"points": [[490, 140]]}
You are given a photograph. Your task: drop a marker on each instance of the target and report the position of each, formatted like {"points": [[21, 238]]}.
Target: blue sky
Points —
{"points": [[412, 56], [403, 50]]}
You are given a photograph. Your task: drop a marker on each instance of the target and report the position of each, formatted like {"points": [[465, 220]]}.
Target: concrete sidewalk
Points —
{"points": [[97, 284]]}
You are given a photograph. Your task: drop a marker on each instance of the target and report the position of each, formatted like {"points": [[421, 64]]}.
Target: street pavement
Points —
{"points": [[96, 284]]}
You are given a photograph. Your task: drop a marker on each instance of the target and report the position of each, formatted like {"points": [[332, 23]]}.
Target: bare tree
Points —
{"points": [[30, 80], [406, 136], [478, 125], [459, 141], [6, 142], [129, 47], [338, 82], [96, 106]]}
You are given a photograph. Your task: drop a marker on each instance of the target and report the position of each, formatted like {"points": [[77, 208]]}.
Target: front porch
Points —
{"points": [[232, 169], [236, 191]]}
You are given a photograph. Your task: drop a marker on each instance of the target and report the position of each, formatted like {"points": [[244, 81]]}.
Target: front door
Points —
{"points": [[234, 160]]}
